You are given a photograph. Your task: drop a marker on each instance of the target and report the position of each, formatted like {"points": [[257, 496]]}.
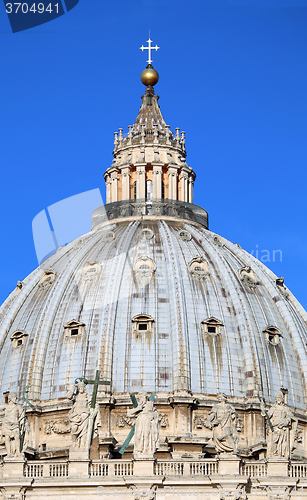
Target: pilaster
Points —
{"points": [[191, 187], [108, 187], [140, 181], [157, 181], [184, 179], [172, 186], [125, 183], [113, 175]]}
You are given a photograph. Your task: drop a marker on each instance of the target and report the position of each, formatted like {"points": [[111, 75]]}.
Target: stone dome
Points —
{"points": [[157, 303], [152, 298]]}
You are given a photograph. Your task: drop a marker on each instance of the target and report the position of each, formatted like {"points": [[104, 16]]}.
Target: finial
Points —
{"points": [[129, 136], [149, 48], [149, 76], [120, 136]]}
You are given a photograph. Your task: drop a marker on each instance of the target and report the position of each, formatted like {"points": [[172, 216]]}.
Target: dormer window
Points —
{"points": [[74, 329], [272, 335], [212, 326], [142, 323], [18, 338]]}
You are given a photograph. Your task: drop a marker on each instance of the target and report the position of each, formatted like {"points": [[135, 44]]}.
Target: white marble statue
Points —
{"points": [[281, 438], [13, 425], [223, 420], [146, 427], [80, 415]]}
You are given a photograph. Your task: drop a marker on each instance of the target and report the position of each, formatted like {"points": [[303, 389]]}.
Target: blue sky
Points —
{"points": [[233, 75]]}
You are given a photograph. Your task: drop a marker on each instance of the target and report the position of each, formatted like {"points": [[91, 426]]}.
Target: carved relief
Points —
{"points": [[299, 435], [123, 421], [47, 279], [199, 268], [248, 277], [144, 266], [163, 420], [217, 241], [185, 235], [109, 236], [78, 243], [200, 421], [57, 426], [90, 270]]}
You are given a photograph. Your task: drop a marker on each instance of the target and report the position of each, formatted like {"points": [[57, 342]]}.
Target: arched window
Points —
{"points": [[148, 191], [134, 191], [163, 191]]}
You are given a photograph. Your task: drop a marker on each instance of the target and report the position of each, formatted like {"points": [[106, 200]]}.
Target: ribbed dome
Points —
{"points": [[172, 277]]}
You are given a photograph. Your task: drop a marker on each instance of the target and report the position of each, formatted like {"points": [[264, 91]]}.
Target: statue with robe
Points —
{"points": [[80, 415], [13, 424], [284, 423], [146, 438], [222, 419]]}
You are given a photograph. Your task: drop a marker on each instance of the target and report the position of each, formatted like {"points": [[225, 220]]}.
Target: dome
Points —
{"points": [[158, 303]]}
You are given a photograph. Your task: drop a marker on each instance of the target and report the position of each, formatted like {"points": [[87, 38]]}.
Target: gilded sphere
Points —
{"points": [[149, 77]]}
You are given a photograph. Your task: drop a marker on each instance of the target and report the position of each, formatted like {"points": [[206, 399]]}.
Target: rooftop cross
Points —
{"points": [[149, 48]]}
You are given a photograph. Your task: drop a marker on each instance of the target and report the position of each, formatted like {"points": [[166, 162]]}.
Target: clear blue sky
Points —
{"points": [[233, 75]]}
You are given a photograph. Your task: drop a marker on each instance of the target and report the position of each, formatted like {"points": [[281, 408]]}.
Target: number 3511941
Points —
{"points": [[25, 8]]}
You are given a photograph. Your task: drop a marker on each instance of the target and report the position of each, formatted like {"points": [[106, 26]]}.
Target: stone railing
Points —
{"points": [[254, 469], [54, 469], [298, 470], [111, 468], [186, 468]]}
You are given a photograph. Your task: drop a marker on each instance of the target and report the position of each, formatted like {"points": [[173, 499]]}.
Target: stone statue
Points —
{"points": [[146, 427], [80, 415], [13, 425], [223, 420], [281, 438]]}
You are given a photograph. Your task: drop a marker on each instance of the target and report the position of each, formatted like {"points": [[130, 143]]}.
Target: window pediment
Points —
{"points": [[212, 326], [74, 328], [142, 323]]}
